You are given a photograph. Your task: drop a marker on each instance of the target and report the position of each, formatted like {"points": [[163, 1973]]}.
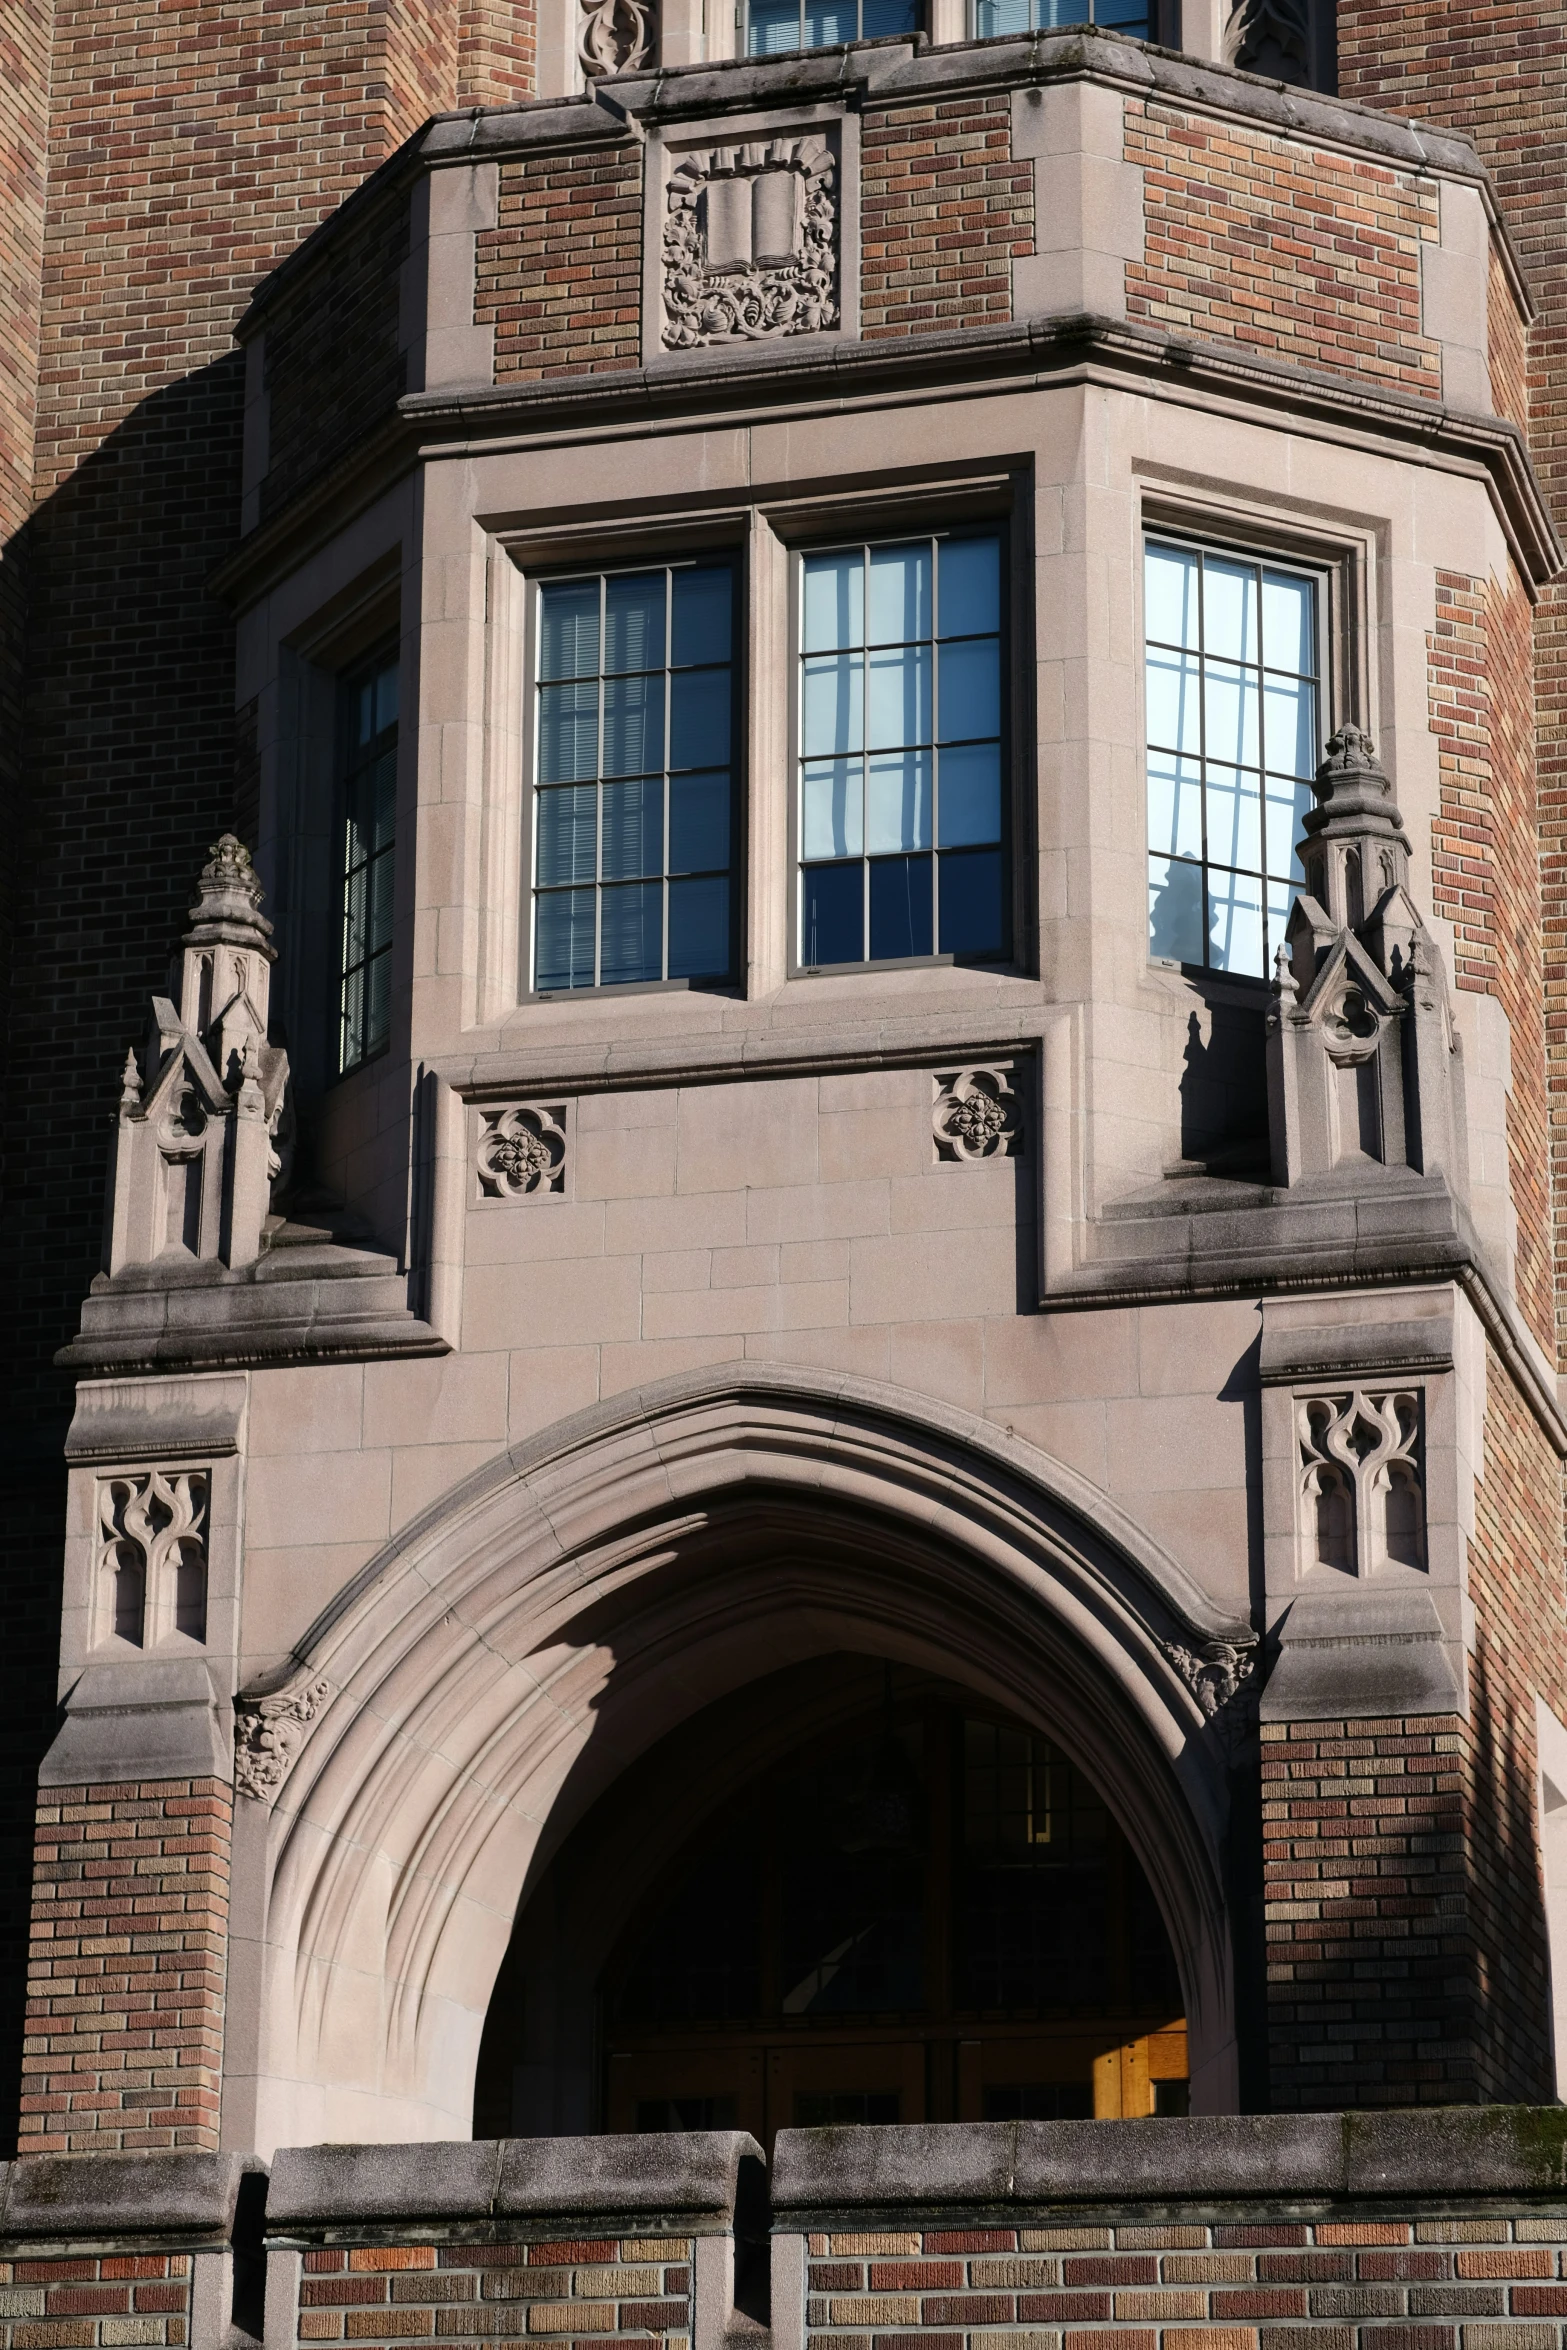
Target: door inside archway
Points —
{"points": [[923, 1913]]}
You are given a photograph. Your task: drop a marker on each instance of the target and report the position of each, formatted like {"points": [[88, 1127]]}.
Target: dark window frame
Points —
{"points": [[351, 765], [629, 565]]}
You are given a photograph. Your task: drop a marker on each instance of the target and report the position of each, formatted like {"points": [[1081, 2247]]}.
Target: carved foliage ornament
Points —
{"points": [[749, 243], [1361, 1480], [616, 36], [1215, 1673], [152, 1554], [975, 1115], [522, 1151], [268, 1733]]}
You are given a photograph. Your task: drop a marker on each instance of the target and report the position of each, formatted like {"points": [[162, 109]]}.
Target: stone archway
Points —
{"points": [[461, 1704]]}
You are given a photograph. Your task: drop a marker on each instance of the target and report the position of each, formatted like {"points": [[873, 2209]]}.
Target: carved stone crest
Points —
{"points": [[975, 1115], [1215, 1673], [750, 242], [522, 1151], [615, 36], [268, 1733]]}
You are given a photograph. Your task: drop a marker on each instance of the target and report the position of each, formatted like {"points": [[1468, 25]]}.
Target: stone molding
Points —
{"points": [[149, 1717], [193, 2198], [693, 2175]]}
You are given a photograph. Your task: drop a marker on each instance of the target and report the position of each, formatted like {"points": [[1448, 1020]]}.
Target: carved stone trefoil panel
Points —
{"points": [[522, 1151], [152, 1555], [268, 1733], [751, 242], [1270, 37], [615, 36], [1360, 1490], [975, 1115]]}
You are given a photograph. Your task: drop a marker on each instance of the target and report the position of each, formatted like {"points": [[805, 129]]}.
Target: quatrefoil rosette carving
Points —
{"points": [[1360, 1487], [974, 1115], [522, 1151]]}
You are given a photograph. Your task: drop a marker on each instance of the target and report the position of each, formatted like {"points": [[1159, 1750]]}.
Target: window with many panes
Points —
{"points": [[776, 26], [1029, 16], [367, 807], [633, 806], [900, 795], [1234, 727]]}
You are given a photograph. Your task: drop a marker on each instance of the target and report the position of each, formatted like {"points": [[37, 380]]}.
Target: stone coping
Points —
{"points": [[45, 2198], [1459, 2152], [692, 2176]]}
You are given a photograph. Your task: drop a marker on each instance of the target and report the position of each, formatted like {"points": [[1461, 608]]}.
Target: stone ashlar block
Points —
{"points": [[48, 2196], [693, 2173]]}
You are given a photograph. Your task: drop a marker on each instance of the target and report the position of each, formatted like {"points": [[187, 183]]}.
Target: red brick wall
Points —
{"points": [[1195, 2283], [497, 48], [1497, 69], [560, 275], [94, 2300], [1291, 249], [596, 2288], [332, 365], [1486, 874], [943, 208], [1508, 339], [126, 1981]]}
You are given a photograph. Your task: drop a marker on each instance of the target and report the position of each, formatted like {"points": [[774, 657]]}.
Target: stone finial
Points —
{"points": [[227, 911], [1356, 848]]}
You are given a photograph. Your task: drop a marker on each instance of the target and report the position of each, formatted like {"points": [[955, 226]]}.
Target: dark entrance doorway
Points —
{"points": [[920, 1911]]}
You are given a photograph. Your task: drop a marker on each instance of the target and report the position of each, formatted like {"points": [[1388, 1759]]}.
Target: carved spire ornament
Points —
{"points": [[1364, 1064], [203, 1124]]}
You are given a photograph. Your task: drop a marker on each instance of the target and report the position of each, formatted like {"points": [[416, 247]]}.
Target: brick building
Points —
{"points": [[807, 1372]]}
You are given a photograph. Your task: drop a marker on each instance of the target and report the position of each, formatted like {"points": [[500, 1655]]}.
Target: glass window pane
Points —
{"points": [[382, 797], [378, 911], [633, 819], [774, 28], [1285, 809], [834, 602], [356, 940], [1289, 718], [568, 732], [564, 956], [378, 1003], [566, 827], [631, 941], [899, 593], [970, 586], [1174, 713], [970, 683], [992, 17], [833, 720], [900, 907], [699, 718], [1230, 714], [569, 629], [897, 802], [702, 615], [828, 23], [831, 794], [634, 622], [386, 697], [1229, 610], [698, 823], [1127, 16], [832, 916], [879, 18], [899, 697], [1170, 597], [971, 903], [1235, 922], [699, 928], [1175, 911], [1174, 805], [633, 724], [1289, 623], [1281, 896], [970, 794], [1234, 818]]}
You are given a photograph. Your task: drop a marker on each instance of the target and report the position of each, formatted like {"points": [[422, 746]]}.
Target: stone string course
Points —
{"points": [[584, 2287]]}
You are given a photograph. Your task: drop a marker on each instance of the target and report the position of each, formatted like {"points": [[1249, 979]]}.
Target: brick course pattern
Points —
{"points": [[95, 2300], [559, 277], [588, 2288], [331, 362], [124, 2043], [1486, 875], [943, 210], [1381, 2284], [1289, 249]]}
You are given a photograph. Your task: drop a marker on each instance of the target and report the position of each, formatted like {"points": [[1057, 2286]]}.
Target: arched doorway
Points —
{"points": [[856, 1894], [507, 1664]]}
